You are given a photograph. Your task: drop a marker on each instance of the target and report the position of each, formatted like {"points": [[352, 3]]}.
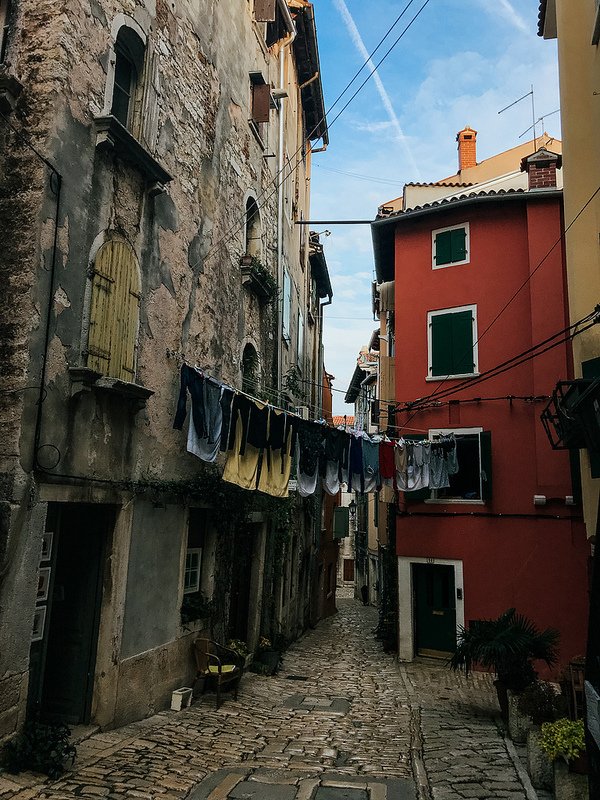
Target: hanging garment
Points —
{"points": [[310, 442], [277, 462], [401, 463], [438, 468], [307, 482], [331, 479], [191, 381], [452, 455], [334, 456], [356, 474], [258, 425], [345, 462], [206, 447], [387, 467], [370, 460], [227, 396], [421, 455], [241, 467]]}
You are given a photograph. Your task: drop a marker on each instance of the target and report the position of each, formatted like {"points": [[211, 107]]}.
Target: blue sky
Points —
{"points": [[458, 64]]}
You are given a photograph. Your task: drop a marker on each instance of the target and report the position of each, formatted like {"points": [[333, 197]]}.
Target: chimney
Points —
{"points": [[541, 169], [467, 148]]}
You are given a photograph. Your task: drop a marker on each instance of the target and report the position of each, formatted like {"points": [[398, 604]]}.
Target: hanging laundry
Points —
{"points": [[401, 464], [242, 463], [191, 381], [227, 396], [277, 458], [310, 443], [307, 482], [334, 457], [356, 474], [206, 447], [370, 463], [387, 466]]}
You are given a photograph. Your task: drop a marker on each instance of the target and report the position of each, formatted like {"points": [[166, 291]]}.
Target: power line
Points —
{"points": [[238, 226]]}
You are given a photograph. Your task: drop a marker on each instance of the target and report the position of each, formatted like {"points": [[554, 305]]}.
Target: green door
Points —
{"points": [[74, 614], [435, 609]]}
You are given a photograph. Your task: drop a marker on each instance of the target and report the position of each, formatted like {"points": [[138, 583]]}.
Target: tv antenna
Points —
{"points": [[535, 122], [540, 119]]}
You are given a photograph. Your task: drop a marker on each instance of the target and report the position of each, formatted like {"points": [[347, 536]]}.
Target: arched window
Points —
{"points": [[129, 62], [250, 370], [114, 311], [253, 229]]}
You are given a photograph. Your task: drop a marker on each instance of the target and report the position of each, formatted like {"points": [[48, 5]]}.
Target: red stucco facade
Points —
{"points": [[513, 553]]}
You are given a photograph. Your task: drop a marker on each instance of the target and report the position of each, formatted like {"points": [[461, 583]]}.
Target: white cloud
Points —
{"points": [[505, 9]]}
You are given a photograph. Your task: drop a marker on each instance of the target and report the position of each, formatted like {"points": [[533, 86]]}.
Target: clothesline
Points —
{"points": [[265, 442]]}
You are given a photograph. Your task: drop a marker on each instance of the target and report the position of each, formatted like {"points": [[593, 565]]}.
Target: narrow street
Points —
{"points": [[341, 721]]}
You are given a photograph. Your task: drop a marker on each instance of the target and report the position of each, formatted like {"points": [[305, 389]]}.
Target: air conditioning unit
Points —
{"points": [[302, 411]]}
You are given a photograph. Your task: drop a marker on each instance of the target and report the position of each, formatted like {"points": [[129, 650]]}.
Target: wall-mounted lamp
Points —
{"points": [[539, 499], [352, 508]]}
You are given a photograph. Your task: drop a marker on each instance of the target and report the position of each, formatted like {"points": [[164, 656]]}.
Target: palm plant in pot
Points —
{"points": [[507, 645]]}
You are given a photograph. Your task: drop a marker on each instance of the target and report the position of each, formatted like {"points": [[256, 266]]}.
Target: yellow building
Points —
{"points": [[576, 26]]}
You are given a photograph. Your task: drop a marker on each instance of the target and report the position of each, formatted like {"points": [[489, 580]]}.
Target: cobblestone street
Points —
{"points": [[341, 720]]}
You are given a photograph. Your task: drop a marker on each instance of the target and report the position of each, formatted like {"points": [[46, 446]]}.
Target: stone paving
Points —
{"points": [[342, 720]]}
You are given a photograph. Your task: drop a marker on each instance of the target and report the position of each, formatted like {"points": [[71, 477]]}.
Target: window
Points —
{"points": [[596, 31], [300, 341], [193, 555], [287, 305], [114, 311], [452, 342], [450, 246], [129, 61], [253, 229], [473, 481], [4, 24], [250, 370]]}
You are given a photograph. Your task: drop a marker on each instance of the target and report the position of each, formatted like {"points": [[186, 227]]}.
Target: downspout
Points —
{"points": [[281, 180]]}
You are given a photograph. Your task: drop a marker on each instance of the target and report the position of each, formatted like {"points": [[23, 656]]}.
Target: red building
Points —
{"points": [[479, 278]]}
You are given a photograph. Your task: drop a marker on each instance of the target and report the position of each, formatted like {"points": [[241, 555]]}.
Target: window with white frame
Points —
{"points": [[450, 246], [193, 555], [473, 481], [452, 342]]}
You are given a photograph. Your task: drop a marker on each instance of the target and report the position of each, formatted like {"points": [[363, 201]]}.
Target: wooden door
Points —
{"points": [[348, 569], [435, 609]]}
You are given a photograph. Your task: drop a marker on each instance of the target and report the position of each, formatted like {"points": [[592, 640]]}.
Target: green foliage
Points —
{"points": [[508, 645], [195, 606], [564, 738], [264, 643], [239, 647], [540, 702], [39, 748], [265, 277]]}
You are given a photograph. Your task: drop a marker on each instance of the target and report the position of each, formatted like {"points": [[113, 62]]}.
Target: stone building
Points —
{"points": [[154, 158]]}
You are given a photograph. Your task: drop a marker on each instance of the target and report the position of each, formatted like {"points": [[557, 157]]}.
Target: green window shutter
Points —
{"points": [[458, 239], [419, 495], [443, 248], [341, 522], [462, 343], [442, 362], [485, 441], [591, 369]]}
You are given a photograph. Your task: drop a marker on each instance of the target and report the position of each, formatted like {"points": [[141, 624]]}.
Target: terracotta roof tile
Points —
{"points": [[343, 420]]}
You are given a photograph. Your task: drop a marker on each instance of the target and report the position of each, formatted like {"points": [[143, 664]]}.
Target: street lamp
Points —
{"points": [[352, 507]]}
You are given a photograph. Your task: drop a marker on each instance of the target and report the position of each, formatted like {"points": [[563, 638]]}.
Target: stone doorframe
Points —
{"points": [[406, 610]]}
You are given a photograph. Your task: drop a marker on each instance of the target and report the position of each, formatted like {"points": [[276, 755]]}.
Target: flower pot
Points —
{"points": [[539, 766], [518, 724], [568, 785]]}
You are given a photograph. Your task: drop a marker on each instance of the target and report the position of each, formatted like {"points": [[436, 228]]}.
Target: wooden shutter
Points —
{"points": [[114, 311], [443, 248], [442, 361], [462, 342], [458, 244], [341, 522], [150, 106], [264, 10], [591, 369], [485, 443], [261, 102]]}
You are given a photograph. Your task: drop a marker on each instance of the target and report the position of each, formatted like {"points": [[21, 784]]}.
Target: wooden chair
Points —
{"points": [[217, 664]]}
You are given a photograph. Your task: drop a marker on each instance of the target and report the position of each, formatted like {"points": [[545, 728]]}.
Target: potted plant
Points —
{"points": [[257, 278], [266, 658], [240, 648], [507, 645], [563, 742], [538, 703]]}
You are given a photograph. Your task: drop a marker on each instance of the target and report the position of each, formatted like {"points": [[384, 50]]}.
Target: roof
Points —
{"points": [[306, 51], [542, 16], [383, 230], [347, 420], [357, 378]]}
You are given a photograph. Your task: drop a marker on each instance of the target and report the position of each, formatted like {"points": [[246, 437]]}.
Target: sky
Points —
{"points": [[459, 63]]}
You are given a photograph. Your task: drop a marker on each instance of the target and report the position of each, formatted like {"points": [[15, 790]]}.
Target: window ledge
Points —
{"points": [[453, 501], [10, 89], [452, 263], [254, 282], [452, 377], [111, 135], [84, 379]]}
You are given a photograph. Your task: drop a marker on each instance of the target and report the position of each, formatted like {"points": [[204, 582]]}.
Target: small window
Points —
{"points": [[129, 61], [193, 555], [452, 342], [4, 24], [300, 342], [473, 481], [287, 305], [253, 229], [450, 246], [250, 370], [114, 311]]}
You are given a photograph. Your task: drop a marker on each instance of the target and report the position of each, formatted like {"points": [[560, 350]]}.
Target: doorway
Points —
{"points": [[241, 579], [65, 657], [435, 609], [348, 574]]}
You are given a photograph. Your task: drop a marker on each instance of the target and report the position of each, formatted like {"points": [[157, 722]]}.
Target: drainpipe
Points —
{"points": [[280, 179]]}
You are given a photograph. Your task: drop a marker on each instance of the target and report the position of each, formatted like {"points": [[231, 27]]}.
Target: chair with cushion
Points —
{"points": [[217, 664]]}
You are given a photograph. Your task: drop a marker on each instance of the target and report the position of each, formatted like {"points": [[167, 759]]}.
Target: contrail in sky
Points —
{"points": [[385, 99], [507, 10]]}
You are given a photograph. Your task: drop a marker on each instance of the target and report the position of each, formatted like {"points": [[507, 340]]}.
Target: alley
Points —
{"points": [[342, 719]]}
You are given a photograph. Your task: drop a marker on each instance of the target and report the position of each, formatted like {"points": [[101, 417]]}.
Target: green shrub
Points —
{"points": [[39, 748], [540, 702], [564, 738]]}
